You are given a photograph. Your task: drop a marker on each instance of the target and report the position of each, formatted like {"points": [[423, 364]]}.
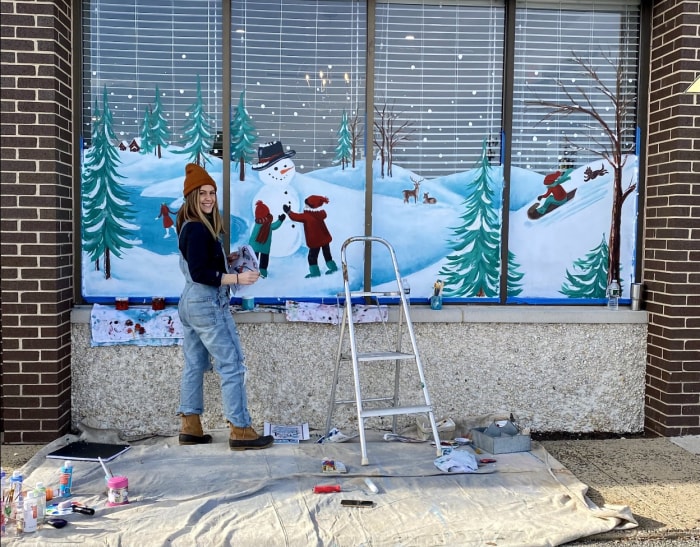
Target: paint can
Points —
{"points": [[121, 303], [158, 303], [117, 491], [248, 303]]}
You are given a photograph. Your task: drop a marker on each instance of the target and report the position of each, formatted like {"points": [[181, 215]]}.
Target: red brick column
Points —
{"points": [[37, 254], [672, 228]]}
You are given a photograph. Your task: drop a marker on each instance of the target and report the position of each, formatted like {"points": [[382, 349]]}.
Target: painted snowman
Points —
{"points": [[276, 170]]}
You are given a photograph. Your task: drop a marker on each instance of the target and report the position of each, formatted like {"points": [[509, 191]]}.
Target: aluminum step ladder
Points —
{"points": [[382, 405]]}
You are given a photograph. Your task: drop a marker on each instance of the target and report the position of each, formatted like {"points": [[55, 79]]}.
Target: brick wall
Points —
{"points": [[37, 263], [37, 259], [672, 229]]}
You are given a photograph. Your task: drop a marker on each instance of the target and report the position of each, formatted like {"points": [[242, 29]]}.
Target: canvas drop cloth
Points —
{"points": [[209, 495]]}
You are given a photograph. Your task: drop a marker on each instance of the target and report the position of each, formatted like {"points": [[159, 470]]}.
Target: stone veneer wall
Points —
{"points": [[671, 267], [37, 228], [558, 369]]}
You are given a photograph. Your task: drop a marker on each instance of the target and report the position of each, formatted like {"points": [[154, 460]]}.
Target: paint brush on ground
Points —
{"points": [[108, 473]]}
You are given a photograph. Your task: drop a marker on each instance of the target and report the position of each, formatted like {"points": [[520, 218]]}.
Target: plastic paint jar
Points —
{"points": [[158, 303], [248, 303], [121, 303], [117, 491]]}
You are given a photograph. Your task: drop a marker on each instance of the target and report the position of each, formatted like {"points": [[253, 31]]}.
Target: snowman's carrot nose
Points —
{"points": [[283, 171]]}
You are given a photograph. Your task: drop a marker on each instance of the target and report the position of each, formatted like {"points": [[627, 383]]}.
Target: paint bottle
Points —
{"points": [[41, 491], [31, 509], [66, 480], [117, 491]]}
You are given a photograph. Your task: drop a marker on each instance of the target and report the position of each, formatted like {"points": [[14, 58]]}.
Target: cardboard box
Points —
{"points": [[500, 445], [445, 427]]}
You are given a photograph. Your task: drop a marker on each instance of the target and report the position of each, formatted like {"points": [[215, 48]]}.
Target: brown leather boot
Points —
{"points": [[245, 438], [191, 431]]}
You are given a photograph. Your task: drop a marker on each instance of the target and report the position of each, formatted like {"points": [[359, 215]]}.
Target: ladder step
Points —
{"points": [[380, 356], [370, 294], [374, 412], [386, 399]]}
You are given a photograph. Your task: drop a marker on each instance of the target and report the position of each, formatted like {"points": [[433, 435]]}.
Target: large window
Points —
{"points": [[389, 117]]}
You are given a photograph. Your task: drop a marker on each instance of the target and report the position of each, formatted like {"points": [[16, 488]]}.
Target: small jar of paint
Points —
{"points": [[117, 491]]}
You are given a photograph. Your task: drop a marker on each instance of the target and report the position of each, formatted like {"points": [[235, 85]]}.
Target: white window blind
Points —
{"points": [[548, 34], [131, 47], [439, 67], [301, 63]]}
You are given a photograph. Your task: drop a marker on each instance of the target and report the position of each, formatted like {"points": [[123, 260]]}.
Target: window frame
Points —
{"points": [[506, 116]]}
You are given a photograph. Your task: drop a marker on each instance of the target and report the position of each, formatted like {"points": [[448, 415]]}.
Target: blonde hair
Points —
{"points": [[192, 211]]}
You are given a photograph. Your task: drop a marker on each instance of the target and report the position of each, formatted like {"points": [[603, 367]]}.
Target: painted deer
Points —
{"points": [[590, 174], [428, 199], [408, 193]]}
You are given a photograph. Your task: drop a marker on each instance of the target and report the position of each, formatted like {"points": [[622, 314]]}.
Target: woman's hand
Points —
{"points": [[248, 277]]}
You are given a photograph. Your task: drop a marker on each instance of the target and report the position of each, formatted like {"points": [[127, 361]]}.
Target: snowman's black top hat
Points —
{"points": [[271, 153]]}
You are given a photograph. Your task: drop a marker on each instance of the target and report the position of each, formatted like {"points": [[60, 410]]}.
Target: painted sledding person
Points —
{"points": [[556, 194], [261, 236], [316, 233], [168, 223]]}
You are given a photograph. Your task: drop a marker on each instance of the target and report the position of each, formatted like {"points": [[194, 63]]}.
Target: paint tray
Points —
{"points": [[502, 444]]}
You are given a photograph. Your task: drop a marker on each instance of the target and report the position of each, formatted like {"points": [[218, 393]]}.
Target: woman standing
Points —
{"points": [[209, 328]]}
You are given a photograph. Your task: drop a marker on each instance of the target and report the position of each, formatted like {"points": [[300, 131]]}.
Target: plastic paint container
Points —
{"points": [[117, 491], [248, 303]]}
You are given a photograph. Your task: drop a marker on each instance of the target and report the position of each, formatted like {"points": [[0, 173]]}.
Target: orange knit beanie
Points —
{"points": [[196, 176]]}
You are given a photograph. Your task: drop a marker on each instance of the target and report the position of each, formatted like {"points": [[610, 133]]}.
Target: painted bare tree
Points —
{"points": [[355, 136], [388, 134], [622, 101]]}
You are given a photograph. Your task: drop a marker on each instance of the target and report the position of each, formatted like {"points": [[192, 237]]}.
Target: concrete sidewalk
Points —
{"points": [[658, 478]]}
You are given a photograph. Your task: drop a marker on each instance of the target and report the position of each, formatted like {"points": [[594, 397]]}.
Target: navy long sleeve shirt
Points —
{"points": [[204, 254]]}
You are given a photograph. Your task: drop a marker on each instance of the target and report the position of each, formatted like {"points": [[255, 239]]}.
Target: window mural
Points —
{"points": [[303, 127]]}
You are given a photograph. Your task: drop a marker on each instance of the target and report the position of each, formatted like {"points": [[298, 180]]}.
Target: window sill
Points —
{"points": [[421, 313]]}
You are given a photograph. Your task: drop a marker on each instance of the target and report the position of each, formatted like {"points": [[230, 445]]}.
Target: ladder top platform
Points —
{"points": [[370, 293]]}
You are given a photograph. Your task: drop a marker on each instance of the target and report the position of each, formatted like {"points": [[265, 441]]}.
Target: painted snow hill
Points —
{"points": [[422, 234]]}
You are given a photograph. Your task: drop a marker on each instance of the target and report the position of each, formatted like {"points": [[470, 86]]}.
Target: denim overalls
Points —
{"points": [[209, 329]]}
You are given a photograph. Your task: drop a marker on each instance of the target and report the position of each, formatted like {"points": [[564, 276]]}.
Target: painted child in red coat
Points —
{"points": [[556, 194], [168, 223], [316, 233]]}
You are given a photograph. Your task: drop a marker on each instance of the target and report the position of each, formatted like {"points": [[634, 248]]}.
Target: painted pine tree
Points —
{"points": [[343, 151], [242, 137], [198, 135], [514, 276], [147, 146], [591, 281], [106, 215], [160, 134], [473, 268]]}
